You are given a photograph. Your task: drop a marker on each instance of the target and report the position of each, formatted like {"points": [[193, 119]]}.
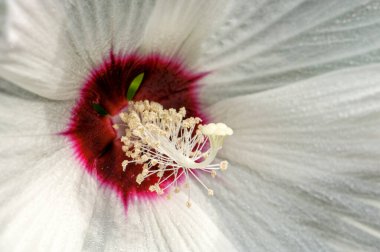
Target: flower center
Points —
{"points": [[98, 145], [170, 146]]}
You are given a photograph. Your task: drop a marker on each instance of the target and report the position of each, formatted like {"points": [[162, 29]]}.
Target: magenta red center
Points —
{"points": [[96, 142]]}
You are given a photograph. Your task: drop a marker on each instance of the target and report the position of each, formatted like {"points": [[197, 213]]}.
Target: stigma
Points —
{"points": [[170, 146]]}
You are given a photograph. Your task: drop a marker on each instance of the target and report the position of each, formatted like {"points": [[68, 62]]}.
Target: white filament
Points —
{"points": [[164, 142]]}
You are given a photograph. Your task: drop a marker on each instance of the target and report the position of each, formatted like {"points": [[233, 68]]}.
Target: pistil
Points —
{"points": [[170, 146]]}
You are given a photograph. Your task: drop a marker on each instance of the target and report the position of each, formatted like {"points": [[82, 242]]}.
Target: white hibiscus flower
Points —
{"points": [[298, 81]]}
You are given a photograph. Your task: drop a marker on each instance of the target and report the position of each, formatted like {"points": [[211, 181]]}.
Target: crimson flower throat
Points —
{"points": [[157, 145]]}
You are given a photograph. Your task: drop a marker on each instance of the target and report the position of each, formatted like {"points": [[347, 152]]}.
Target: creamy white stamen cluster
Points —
{"points": [[167, 143]]}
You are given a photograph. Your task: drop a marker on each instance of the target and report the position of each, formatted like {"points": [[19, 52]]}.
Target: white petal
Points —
{"points": [[45, 204], [153, 225], [2, 17], [309, 157], [177, 28], [45, 197], [52, 45], [267, 44]]}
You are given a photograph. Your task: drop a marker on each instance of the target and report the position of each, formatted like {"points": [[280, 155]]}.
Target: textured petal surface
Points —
{"points": [[158, 225], [52, 45], [2, 18], [177, 28], [45, 199], [306, 165], [266, 44]]}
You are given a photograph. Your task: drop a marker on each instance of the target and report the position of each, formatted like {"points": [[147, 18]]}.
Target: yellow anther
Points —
{"points": [[213, 173], [223, 165], [210, 192]]}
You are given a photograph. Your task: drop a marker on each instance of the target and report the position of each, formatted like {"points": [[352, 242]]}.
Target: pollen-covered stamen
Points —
{"points": [[170, 146]]}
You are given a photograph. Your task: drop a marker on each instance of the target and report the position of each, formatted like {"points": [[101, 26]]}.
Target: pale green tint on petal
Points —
{"points": [[305, 165], [268, 44]]}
